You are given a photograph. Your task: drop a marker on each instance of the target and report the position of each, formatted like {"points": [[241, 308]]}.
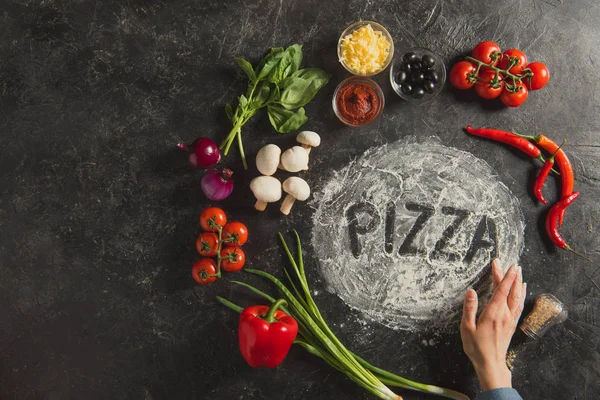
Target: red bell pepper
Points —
{"points": [[266, 334]]}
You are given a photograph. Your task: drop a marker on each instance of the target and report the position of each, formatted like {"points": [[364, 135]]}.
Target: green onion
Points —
{"points": [[316, 337]]}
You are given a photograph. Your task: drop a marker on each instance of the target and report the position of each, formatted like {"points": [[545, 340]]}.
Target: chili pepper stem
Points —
{"points": [[533, 138], [569, 248], [270, 316]]}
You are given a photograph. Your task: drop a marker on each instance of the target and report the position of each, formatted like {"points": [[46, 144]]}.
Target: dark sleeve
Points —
{"points": [[499, 394]]}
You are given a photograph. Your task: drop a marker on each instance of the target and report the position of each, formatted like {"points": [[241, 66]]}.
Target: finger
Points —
{"points": [[501, 293], [523, 297], [469, 315], [515, 298], [497, 273]]}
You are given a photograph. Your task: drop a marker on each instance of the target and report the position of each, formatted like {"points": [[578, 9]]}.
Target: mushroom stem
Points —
{"points": [[260, 205], [307, 148], [287, 204]]}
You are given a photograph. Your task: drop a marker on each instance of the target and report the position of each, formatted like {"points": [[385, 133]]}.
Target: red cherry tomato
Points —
{"points": [[203, 269], [207, 244], [540, 77], [488, 52], [460, 73], [514, 99], [232, 259], [214, 214], [485, 88], [236, 233], [510, 54]]}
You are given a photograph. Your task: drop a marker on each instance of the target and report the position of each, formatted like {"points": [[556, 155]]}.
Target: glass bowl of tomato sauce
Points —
{"points": [[358, 101]]}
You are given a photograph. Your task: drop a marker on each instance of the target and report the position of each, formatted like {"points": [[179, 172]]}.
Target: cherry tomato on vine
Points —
{"points": [[459, 75], [485, 88], [514, 99], [236, 232], [207, 244], [540, 77], [232, 259], [216, 215], [203, 269], [513, 53], [484, 51]]}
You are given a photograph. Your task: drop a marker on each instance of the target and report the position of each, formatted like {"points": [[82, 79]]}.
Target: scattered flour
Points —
{"points": [[405, 229]]}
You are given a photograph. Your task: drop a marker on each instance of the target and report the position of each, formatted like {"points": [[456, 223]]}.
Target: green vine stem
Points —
{"points": [[474, 76]]}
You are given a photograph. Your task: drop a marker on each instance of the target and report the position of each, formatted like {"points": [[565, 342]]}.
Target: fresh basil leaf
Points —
{"points": [[247, 68], [270, 62], [243, 101], [261, 95], [315, 74], [303, 88], [275, 94], [229, 111], [296, 52], [278, 73], [284, 120]]}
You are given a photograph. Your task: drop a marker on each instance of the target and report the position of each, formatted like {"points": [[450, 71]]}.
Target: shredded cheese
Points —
{"points": [[365, 50]]}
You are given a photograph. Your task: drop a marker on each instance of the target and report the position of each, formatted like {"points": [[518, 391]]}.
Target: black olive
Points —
{"points": [[409, 57], [428, 61], [406, 67], [417, 77], [406, 88], [401, 77], [429, 86], [416, 64], [418, 93], [432, 76]]}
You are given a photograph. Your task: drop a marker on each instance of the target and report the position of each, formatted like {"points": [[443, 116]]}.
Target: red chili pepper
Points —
{"points": [[509, 138], [266, 334], [552, 219], [567, 176], [541, 178]]}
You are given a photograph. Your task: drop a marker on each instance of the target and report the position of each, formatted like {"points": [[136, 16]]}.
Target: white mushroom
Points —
{"points": [[308, 140], [296, 189], [267, 159], [294, 159], [266, 189]]}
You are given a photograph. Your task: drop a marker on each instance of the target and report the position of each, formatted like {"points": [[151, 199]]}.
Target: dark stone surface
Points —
{"points": [[98, 209]]}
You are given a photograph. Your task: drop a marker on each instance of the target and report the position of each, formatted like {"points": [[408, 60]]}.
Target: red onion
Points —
{"points": [[216, 184], [202, 153]]}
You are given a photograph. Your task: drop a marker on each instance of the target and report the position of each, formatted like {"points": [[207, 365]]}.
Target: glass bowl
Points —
{"points": [[358, 80], [376, 27], [438, 67]]}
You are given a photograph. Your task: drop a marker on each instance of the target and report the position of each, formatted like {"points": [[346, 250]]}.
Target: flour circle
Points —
{"points": [[404, 230]]}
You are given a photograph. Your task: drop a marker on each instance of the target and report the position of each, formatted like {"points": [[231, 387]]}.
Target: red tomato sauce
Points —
{"points": [[357, 103]]}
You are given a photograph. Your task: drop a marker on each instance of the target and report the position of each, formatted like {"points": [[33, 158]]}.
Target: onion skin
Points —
{"points": [[216, 184], [202, 153]]}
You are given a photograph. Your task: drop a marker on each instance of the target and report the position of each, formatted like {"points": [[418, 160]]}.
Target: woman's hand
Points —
{"points": [[486, 339]]}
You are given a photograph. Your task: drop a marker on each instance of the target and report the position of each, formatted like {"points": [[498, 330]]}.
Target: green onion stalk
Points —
{"points": [[316, 337]]}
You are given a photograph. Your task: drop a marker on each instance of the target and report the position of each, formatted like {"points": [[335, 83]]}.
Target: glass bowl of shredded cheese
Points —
{"points": [[365, 48]]}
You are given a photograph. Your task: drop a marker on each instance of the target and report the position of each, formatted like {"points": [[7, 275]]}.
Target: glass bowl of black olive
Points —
{"points": [[418, 75]]}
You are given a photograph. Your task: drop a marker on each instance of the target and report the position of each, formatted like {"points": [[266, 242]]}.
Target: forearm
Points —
{"points": [[494, 377]]}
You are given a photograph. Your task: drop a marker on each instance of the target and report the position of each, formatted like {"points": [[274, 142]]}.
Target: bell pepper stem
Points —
{"points": [[270, 316]]}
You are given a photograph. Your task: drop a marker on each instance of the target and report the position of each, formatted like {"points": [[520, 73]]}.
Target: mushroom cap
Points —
{"points": [[294, 159], [266, 188], [296, 187], [267, 159], [309, 138]]}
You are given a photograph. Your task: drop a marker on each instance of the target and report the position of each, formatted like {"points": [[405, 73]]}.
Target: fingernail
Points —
{"points": [[525, 288], [471, 295]]}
